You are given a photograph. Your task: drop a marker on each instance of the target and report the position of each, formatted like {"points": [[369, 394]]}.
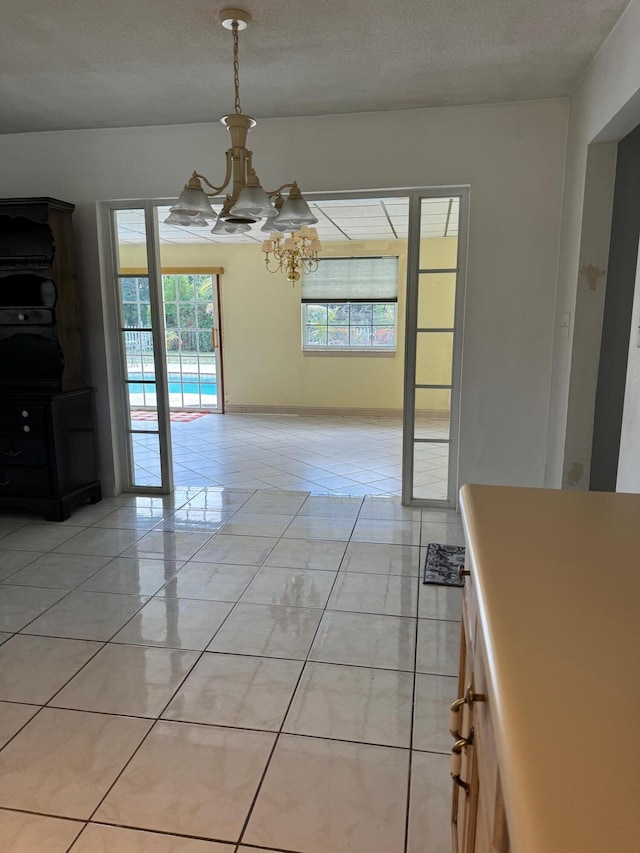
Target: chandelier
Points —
{"points": [[246, 202], [294, 254]]}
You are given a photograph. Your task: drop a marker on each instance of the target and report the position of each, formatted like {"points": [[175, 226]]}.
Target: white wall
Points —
{"points": [[511, 155], [604, 109]]}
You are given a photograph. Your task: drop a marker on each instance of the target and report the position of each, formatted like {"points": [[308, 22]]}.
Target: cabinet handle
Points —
{"points": [[462, 572], [6, 452], [25, 413], [454, 717], [4, 480], [26, 428], [456, 761]]}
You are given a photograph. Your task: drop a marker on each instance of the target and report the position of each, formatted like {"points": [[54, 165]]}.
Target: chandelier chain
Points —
{"points": [[236, 67]]}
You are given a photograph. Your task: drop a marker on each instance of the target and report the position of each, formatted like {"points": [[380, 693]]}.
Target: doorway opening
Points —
{"points": [[316, 372]]}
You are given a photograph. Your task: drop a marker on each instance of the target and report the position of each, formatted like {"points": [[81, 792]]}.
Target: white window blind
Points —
{"points": [[352, 280]]}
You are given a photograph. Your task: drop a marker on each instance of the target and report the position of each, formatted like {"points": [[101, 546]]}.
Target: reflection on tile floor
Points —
{"points": [[334, 454], [226, 670]]}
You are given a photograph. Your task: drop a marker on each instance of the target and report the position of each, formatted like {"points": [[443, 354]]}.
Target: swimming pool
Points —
{"points": [[179, 383]]}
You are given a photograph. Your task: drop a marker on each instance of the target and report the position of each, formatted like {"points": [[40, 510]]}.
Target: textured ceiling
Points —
{"points": [[69, 64]]}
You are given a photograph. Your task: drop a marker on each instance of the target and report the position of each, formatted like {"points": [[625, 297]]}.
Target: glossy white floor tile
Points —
{"points": [[320, 795], [176, 623], [364, 639], [11, 561], [65, 571], [438, 647], [382, 559], [269, 631], [243, 550], [39, 537], [98, 838], [293, 587], [20, 605], [213, 581], [12, 718], [63, 762], [430, 804], [27, 833], [433, 697], [33, 669], [228, 669], [128, 680], [196, 780], [236, 690], [307, 554], [353, 703], [87, 615], [390, 595]]}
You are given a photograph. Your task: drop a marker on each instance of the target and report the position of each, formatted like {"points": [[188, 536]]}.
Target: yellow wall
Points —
{"points": [[261, 330]]}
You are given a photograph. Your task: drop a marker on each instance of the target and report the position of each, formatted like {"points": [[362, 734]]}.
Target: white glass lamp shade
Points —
{"points": [[267, 226], [178, 219], [253, 202], [267, 246], [193, 202], [295, 211], [223, 227], [186, 221], [278, 225]]}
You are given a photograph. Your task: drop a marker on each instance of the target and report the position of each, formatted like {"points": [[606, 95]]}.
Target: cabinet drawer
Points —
{"points": [[19, 452], [26, 317], [25, 481], [18, 420]]}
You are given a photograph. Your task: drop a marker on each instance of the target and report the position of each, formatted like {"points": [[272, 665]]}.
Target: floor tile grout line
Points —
{"points": [[413, 714], [288, 708], [258, 568], [157, 719]]}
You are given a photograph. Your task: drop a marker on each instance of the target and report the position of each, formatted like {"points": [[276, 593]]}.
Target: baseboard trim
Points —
{"points": [[326, 410], [312, 410]]}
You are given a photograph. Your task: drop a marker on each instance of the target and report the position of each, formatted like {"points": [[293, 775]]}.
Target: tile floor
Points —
{"points": [[338, 455], [226, 670]]}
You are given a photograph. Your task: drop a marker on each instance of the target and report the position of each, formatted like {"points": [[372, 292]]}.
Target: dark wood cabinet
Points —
{"points": [[47, 455], [47, 451]]}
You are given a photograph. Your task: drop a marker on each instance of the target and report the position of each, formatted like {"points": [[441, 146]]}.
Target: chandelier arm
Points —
{"points": [[283, 187], [267, 261], [227, 178]]}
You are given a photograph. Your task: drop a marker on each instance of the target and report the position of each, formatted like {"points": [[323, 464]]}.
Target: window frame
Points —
{"points": [[348, 348]]}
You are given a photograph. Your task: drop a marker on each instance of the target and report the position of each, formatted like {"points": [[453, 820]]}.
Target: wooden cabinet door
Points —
{"points": [[465, 801]]}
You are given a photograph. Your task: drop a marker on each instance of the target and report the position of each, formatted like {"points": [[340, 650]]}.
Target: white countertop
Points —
{"points": [[558, 582]]}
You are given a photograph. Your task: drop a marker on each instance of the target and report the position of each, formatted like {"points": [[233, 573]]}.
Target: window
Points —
{"points": [[351, 303], [356, 325]]}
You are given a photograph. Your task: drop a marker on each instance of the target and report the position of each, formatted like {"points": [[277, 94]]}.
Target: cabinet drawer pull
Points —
{"points": [[4, 480], [25, 413], [26, 428], [462, 572], [454, 716], [6, 452], [456, 761]]}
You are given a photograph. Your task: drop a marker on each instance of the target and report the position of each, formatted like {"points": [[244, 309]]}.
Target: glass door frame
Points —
{"points": [[215, 272], [154, 275], [411, 346]]}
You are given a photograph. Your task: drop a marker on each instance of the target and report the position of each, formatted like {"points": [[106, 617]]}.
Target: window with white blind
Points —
{"points": [[351, 304]]}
